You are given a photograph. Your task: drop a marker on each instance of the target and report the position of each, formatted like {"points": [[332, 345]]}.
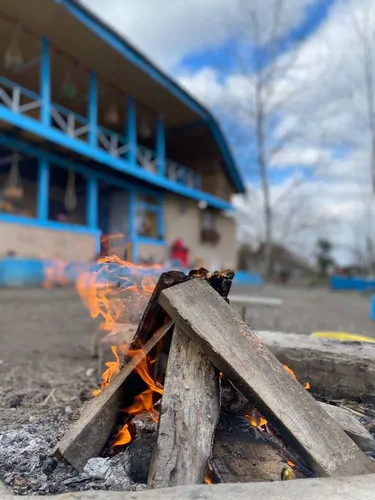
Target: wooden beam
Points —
{"points": [[189, 414], [236, 351], [87, 436], [328, 365]]}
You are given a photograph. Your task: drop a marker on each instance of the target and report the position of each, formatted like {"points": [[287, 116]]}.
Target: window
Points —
{"points": [[66, 196], [207, 220], [148, 221], [208, 230]]}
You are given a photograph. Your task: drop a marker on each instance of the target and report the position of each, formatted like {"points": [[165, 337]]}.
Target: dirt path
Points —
{"points": [[307, 310]]}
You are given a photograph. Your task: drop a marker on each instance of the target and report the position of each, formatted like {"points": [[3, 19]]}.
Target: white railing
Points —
{"points": [[183, 175], [21, 100], [115, 144], [147, 159], [12, 96]]}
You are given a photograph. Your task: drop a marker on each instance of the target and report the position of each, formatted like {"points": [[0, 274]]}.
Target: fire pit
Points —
{"points": [[192, 396]]}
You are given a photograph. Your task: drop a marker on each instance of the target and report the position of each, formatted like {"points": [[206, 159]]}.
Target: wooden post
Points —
{"points": [[189, 414], [236, 351]]}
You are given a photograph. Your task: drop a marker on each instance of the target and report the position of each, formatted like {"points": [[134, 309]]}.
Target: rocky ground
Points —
{"points": [[47, 372]]}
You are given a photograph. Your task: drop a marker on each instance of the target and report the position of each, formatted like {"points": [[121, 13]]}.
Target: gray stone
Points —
{"points": [[98, 468], [344, 488]]}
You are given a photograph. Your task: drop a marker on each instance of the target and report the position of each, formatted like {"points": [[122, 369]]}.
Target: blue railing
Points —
{"points": [[78, 127]]}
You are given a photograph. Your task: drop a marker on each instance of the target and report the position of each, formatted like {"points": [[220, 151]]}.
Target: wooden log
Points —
{"points": [[88, 435], [342, 488], [241, 455], [236, 351], [154, 316], [189, 414], [334, 369], [351, 426]]}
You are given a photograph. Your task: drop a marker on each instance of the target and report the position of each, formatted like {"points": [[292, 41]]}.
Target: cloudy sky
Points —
{"points": [[322, 171]]}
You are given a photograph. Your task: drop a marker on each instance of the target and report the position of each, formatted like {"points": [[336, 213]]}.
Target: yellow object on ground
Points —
{"points": [[343, 337]]}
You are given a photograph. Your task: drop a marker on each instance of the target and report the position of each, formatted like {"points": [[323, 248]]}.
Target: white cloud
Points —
{"points": [[169, 30]]}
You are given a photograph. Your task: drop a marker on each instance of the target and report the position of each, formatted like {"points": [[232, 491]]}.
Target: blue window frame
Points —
{"points": [[149, 221]]}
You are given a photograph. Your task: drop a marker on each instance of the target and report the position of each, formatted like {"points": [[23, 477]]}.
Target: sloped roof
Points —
{"points": [[113, 38]]}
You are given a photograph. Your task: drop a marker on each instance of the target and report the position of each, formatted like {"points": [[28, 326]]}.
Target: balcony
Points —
{"points": [[28, 103]]}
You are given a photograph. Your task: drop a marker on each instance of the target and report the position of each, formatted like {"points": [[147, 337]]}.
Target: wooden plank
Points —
{"points": [[189, 414], [87, 436], [237, 352], [335, 370], [351, 426]]}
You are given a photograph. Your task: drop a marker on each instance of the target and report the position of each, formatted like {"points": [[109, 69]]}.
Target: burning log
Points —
{"points": [[237, 352], [154, 315], [233, 402], [190, 405], [86, 438], [240, 453], [189, 414]]}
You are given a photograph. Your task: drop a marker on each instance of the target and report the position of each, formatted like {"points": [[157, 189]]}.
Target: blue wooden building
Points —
{"points": [[95, 139]]}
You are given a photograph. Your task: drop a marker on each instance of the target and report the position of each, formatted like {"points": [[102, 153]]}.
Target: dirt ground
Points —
{"points": [[45, 338]]}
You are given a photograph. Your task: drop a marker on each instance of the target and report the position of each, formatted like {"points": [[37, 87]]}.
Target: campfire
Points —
{"points": [[198, 395]]}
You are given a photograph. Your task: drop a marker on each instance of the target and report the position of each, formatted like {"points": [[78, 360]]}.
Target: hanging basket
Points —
{"points": [[13, 58], [112, 114], [13, 193], [13, 189], [70, 200]]}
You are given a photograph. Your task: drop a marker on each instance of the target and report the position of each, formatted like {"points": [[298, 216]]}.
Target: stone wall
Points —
{"points": [[38, 242]]}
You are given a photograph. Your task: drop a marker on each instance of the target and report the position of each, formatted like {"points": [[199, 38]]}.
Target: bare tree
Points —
{"points": [[271, 69], [363, 21]]}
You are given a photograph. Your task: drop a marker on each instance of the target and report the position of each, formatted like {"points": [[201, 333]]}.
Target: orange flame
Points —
{"points": [[116, 292], [262, 421], [54, 273], [123, 436], [114, 300], [112, 370], [291, 372], [291, 464], [142, 402], [207, 478]]}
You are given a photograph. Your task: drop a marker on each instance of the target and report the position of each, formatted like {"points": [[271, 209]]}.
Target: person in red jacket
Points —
{"points": [[180, 253]]}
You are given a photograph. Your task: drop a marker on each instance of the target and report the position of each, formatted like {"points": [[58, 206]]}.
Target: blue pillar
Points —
{"points": [[92, 203], [43, 188], [160, 217], [92, 111], [131, 130], [45, 83], [132, 224], [160, 144]]}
